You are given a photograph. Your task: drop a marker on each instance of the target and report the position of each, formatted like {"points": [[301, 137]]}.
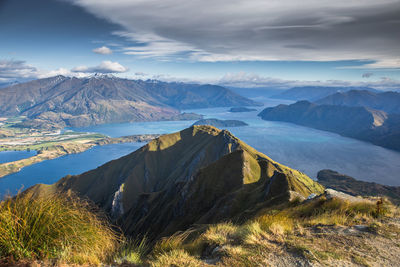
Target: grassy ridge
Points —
{"points": [[65, 229], [286, 228]]}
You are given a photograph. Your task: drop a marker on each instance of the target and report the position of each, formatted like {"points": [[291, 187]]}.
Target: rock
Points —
{"points": [[311, 196], [361, 227], [330, 194]]}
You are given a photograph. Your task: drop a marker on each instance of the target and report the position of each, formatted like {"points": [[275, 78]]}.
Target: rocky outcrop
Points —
{"points": [[333, 194]]}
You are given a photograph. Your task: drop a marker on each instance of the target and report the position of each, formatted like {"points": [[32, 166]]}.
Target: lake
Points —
{"points": [[9, 156], [308, 150], [50, 171]]}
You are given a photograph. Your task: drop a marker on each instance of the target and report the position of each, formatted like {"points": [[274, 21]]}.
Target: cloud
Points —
{"points": [[20, 71], [231, 30], [250, 80], [63, 72], [367, 74], [11, 69], [139, 73], [104, 67], [104, 50]]}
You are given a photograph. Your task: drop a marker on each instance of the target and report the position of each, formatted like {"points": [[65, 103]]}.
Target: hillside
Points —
{"points": [[313, 93], [199, 175], [355, 187], [63, 101], [361, 123], [386, 101]]}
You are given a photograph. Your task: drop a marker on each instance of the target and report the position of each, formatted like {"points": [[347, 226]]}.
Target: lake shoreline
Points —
{"points": [[57, 150]]}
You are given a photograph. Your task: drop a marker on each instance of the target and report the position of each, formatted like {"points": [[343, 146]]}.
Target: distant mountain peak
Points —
{"points": [[103, 76]]}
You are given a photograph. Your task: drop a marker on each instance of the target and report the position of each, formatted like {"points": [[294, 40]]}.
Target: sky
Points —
{"points": [[247, 43]]}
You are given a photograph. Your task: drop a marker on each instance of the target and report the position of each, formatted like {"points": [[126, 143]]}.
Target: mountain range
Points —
{"points": [[68, 101], [386, 101], [314, 93], [362, 123], [195, 176]]}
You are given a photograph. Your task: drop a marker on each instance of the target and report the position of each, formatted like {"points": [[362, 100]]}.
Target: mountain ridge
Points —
{"points": [[201, 174], [64, 101], [314, 93], [386, 101], [362, 123]]}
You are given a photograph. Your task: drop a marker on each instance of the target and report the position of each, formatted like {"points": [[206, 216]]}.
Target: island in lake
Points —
{"points": [[220, 123], [242, 109]]}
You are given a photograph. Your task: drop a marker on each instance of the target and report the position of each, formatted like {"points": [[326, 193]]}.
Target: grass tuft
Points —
{"points": [[57, 228], [277, 224], [176, 257], [220, 234], [132, 251], [173, 242]]}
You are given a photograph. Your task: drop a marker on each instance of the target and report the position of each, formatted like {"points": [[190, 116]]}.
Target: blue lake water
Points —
{"points": [[302, 148], [50, 171], [8, 156]]}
